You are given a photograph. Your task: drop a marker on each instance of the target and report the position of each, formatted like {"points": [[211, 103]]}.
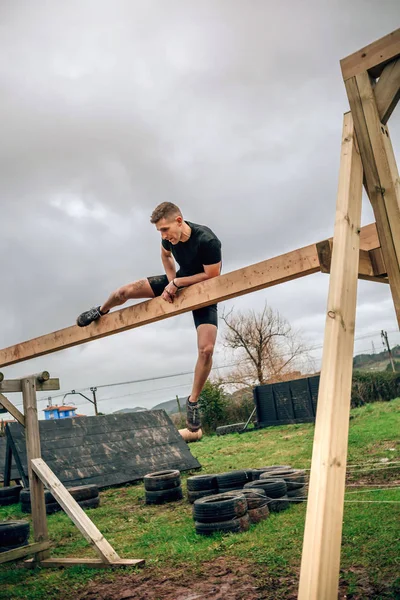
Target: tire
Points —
{"points": [[230, 526], [10, 491], [279, 504], [198, 483], [256, 498], [52, 507], [292, 486], [258, 514], [298, 476], [232, 479], [274, 488], [162, 480], [12, 547], [299, 495], [7, 500], [14, 533], [79, 492], [233, 428], [220, 507], [193, 496], [276, 474], [227, 490], [161, 496]]}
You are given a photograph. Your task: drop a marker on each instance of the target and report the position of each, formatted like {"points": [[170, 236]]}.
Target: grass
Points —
{"points": [[165, 535]]}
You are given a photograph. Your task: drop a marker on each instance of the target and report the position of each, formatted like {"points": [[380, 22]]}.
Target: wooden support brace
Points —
{"points": [[24, 551], [381, 176], [14, 385], [33, 451], [74, 511], [319, 575], [372, 58], [387, 90], [94, 563], [13, 410], [371, 264]]}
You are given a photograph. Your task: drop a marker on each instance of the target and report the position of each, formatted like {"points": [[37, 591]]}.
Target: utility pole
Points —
{"points": [[94, 390], [384, 336]]}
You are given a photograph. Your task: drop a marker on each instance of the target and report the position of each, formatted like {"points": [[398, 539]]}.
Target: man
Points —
{"points": [[197, 250]]}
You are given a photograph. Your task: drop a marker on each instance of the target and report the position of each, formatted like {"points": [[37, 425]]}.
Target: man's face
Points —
{"points": [[170, 229]]}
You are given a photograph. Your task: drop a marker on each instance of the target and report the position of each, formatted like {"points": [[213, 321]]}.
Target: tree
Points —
{"points": [[213, 406], [266, 346]]}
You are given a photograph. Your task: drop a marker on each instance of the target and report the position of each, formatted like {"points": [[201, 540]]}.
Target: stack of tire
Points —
{"points": [[296, 483], [163, 486], [221, 513], [275, 489], [10, 494], [200, 486], [257, 503], [87, 496], [13, 534], [233, 480]]}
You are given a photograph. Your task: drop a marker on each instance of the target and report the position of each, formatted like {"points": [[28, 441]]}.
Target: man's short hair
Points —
{"points": [[165, 210]]}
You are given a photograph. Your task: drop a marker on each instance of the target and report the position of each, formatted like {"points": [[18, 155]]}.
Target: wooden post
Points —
{"points": [[33, 451], [320, 563]]}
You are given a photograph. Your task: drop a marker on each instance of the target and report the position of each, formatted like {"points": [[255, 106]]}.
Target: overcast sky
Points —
{"points": [[230, 108]]}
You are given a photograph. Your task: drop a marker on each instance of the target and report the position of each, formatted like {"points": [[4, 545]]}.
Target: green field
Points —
{"points": [[271, 550]]}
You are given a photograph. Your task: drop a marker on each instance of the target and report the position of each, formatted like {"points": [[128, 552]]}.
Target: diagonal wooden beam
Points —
{"points": [[373, 57], [381, 176], [13, 410], [387, 90], [267, 273]]}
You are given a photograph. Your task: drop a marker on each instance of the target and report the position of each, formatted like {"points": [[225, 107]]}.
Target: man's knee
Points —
{"points": [[206, 351], [121, 294]]}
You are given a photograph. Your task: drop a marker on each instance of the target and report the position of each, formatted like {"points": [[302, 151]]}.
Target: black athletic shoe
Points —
{"points": [[89, 316], [193, 421]]}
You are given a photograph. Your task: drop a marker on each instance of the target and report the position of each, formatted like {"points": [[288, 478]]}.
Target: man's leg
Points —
{"points": [[206, 338], [135, 290]]}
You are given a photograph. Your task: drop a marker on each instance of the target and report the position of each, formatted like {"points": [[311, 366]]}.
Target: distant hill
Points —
{"points": [[375, 362], [130, 410], [171, 406]]}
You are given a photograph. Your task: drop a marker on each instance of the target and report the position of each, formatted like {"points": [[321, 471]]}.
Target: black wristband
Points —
{"points": [[177, 286]]}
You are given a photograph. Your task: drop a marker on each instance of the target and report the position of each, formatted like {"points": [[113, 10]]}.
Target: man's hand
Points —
{"points": [[169, 292]]}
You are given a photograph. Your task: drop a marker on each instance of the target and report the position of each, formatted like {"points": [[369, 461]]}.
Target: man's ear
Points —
{"points": [[179, 220]]}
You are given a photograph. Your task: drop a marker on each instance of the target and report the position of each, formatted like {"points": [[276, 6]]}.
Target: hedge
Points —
{"points": [[372, 387]]}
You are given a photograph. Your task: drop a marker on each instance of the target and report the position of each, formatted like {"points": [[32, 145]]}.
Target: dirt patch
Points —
{"points": [[222, 579]]}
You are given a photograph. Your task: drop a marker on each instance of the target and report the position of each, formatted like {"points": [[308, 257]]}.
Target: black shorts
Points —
{"points": [[206, 315]]}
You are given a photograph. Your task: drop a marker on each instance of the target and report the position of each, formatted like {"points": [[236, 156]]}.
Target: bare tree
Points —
{"points": [[267, 347]]}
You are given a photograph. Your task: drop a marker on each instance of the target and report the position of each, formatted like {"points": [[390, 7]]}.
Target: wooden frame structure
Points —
{"points": [[372, 80], [39, 474]]}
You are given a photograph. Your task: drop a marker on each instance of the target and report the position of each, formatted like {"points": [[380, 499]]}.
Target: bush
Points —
{"points": [[213, 407], [372, 387]]}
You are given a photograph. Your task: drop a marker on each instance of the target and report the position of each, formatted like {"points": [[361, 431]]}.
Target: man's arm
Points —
{"points": [[169, 263], [210, 271]]}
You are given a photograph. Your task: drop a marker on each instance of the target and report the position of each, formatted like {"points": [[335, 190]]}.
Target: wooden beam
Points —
{"points": [[13, 410], [370, 265], [24, 551], [373, 57], [387, 90], [33, 451], [380, 176], [94, 563], [319, 575], [14, 385], [74, 511], [267, 273]]}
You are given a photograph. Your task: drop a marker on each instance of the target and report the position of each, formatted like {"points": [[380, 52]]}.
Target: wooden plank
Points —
{"points": [[319, 574], [74, 511], [7, 465], [33, 451], [14, 385], [273, 271], [373, 57], [13, 410], [387, 90], [24, 551], [94, 563], [382, 189]]}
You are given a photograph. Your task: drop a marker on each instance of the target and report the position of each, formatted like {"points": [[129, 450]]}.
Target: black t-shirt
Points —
{"points": [[202, 248]]}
